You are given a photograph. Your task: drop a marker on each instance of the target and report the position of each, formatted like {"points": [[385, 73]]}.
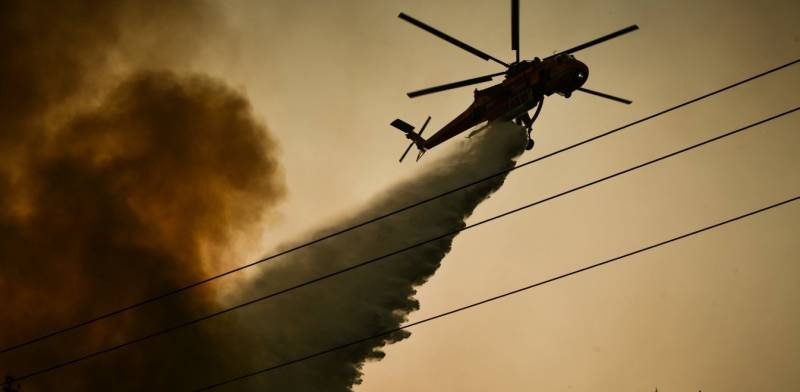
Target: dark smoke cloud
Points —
{"points": [[374, 298], [116, 182], [54, 51], [121, 176]]}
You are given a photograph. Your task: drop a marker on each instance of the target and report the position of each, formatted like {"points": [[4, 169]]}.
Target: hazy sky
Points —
{"points": [[714, 312]]}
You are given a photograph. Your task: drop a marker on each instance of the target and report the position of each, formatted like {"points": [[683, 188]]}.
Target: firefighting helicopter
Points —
{"points": [[526, 84]]}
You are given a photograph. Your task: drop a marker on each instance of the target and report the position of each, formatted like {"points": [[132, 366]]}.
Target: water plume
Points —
{"points": [[376, 297]]}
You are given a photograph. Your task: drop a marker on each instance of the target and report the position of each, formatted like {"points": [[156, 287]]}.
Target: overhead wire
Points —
{"points": [[388, 332], [178, 290], [398, 251]]}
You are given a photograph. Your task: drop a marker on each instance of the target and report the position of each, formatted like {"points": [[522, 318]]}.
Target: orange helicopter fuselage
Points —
{"points": [[526, 83]]}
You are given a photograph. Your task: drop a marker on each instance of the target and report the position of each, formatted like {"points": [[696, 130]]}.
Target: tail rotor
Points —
{"points": [[416, 138]]}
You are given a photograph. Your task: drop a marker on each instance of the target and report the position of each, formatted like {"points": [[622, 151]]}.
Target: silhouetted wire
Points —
{"points": [[381, 217], [376, 259], [387, 332], [372, 220], [384, 216]]}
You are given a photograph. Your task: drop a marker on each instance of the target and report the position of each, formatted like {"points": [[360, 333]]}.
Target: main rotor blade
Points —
{"points": [[448, 86], [450, 39], [515, 26], [597, 41], [604, 95]]}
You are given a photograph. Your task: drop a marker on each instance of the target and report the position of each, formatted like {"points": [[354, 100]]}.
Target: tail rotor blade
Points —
{"points": [[406, 152], [606, 96], [424, 125], [415, 138]]}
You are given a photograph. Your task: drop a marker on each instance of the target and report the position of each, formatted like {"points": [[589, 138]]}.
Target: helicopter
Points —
{"points": [[526, 84]]}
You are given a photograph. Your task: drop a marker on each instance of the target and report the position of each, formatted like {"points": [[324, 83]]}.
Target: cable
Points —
{"points": [[495, 298], [380, 217], [376, 259]]}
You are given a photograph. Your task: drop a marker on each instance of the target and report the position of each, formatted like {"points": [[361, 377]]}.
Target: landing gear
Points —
{"points": [[525, 119], [529, 123], [529, 146]]}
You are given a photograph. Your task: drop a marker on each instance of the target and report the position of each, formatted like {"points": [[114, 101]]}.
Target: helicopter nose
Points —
{"points": [[582, 73], [580, 77], [572, 79]]}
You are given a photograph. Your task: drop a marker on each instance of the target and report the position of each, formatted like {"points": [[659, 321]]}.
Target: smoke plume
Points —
{"points": [[373, 298], [119, 178], [122, 176]]}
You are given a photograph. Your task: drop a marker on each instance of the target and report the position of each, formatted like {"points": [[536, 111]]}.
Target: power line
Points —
{"points": [[381, 217], [395, 252], [492, 299]]}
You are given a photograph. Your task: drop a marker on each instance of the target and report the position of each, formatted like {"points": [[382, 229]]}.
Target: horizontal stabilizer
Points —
{"points": [[402, 125]]}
